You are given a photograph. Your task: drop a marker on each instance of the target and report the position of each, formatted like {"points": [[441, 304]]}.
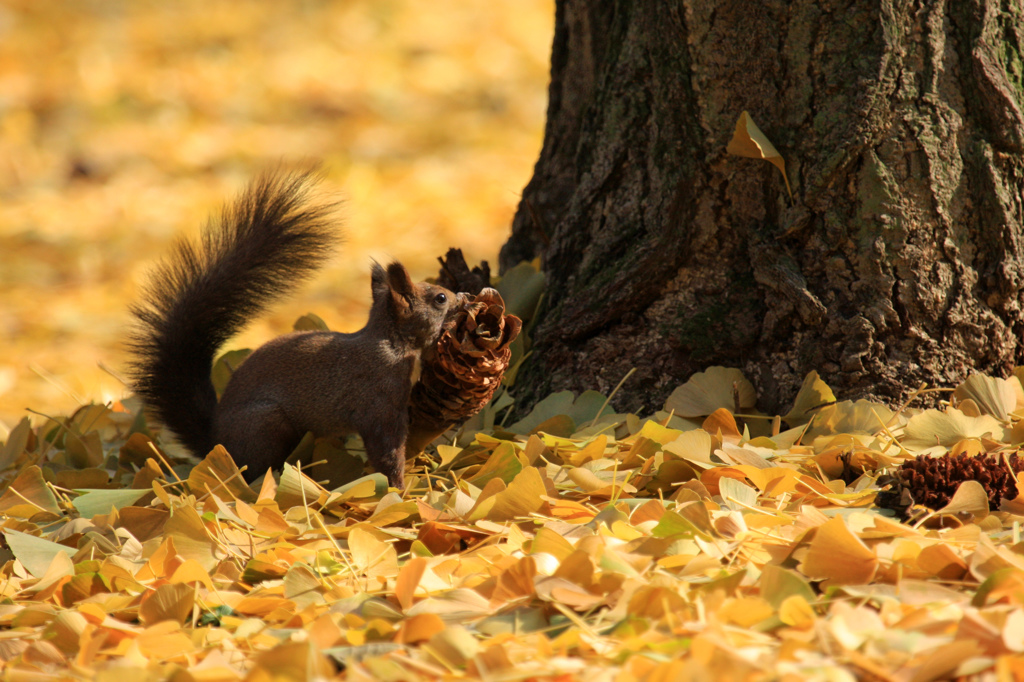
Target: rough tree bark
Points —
{"points": [[899, 260]]}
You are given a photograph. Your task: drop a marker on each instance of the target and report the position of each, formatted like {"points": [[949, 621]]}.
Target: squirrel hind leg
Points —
{"points": [[386, 451], [258, 436]]}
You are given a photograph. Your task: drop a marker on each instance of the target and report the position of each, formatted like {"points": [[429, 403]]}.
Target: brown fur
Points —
{"points": [[333, 384]]}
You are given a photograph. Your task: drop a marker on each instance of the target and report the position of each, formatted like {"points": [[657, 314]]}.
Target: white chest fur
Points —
{"points": [[417, 369]]}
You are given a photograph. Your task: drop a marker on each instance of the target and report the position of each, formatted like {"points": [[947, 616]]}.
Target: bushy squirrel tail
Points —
{"points": [[267, 242]]}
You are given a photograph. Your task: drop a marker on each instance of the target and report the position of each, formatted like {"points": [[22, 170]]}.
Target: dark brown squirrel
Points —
{"points": [[328, 383]]}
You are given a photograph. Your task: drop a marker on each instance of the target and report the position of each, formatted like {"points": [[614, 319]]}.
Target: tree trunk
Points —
{"points": [[899, 259]]}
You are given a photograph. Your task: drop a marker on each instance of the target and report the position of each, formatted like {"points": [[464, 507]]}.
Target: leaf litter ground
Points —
{"points": [[703, 542]]}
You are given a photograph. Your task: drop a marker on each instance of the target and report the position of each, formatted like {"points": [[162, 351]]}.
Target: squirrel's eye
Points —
{"points": [[441, 299]]}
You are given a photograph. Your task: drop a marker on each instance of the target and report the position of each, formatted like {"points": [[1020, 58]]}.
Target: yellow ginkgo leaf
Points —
{"points": [[992, 396], [419, 628], [749, 141], [409, 577], [932, 427], [168, 602], [796, 612], [971, 498], [839, 555], [813, 394], [707, 391]]}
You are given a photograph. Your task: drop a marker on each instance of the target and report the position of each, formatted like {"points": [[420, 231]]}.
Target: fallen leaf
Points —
{"points": [[993, 396], [419, 628], [813, 395], [970, 498], [932, 427], [710, 390], [168, 602], [372, 557], [409, 577], [28, 494], [523, 496], [839, 556], [93, 502], [35, 554]]}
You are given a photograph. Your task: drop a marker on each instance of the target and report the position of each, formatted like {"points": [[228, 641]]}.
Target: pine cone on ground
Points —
{"points": [[463, 370], [931, 481]]}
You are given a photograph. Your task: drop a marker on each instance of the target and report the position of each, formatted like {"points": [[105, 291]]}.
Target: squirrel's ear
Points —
{"points": [[400, 281]]}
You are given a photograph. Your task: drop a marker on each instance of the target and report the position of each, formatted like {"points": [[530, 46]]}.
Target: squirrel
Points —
{"points": [[272, 238]]}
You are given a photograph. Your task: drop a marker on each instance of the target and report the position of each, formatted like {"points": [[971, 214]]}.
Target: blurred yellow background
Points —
{"points": [[125, 123]]}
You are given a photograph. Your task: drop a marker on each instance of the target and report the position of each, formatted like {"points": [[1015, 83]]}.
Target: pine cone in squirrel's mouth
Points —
{"points": [[462, 372], [931, 481]]}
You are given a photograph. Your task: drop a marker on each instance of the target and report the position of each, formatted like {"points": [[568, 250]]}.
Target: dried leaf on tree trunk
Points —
{"points": [[749, 141]]}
